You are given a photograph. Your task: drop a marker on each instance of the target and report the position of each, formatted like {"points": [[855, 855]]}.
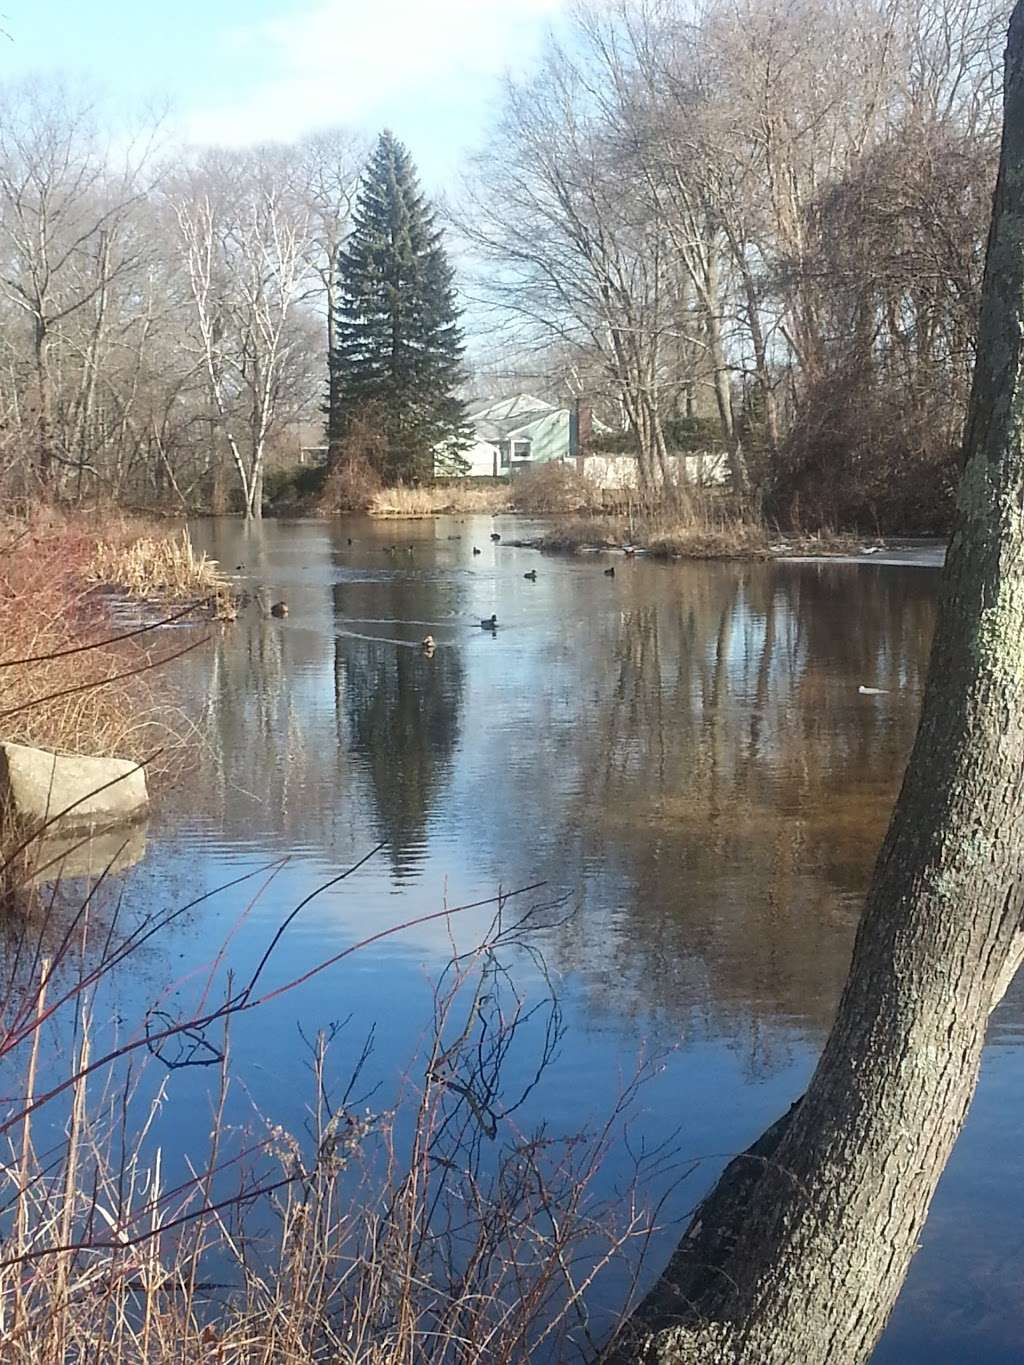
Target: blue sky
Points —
{"points": [[235, 73]]}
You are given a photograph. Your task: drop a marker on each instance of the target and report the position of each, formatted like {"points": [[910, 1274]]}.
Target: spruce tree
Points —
{"points": [[398, 348]]}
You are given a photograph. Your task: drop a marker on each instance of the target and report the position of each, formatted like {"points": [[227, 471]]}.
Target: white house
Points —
{"points": [[511, 434]]}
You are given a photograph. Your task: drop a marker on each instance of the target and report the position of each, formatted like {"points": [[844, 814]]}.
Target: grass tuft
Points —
{"points": [[66, 682], [161, 569], [434, 499]]}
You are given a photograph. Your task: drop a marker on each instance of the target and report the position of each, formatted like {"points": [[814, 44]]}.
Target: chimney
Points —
{"points": [[581, 431]]}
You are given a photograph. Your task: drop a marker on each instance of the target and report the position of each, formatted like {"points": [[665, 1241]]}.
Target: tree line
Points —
{"points": [[758, 223], [771, 213], [166, 322]]}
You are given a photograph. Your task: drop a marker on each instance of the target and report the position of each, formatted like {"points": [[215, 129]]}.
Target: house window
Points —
{"points": [[520, 450]]}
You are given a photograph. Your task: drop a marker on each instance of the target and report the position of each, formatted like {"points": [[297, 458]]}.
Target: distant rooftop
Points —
{"points": [[499, 408], [495, 418]]}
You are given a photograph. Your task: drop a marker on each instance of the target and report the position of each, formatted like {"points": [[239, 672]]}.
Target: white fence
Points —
{"points": [[620, 471]]}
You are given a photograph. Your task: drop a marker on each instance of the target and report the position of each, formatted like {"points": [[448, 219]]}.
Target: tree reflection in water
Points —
{"points": [[402, 713]]}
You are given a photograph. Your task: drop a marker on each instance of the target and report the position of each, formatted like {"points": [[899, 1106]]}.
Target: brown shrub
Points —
{"points": [[437, 1231], [585, 533], [554, 487], [61, 686], [352, 479]]}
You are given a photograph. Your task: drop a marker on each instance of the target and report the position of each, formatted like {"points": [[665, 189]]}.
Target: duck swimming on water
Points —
{"points": [[495, 535], [279, 609], [532, 575], [610, 573], [476, 551], [489, 623]]}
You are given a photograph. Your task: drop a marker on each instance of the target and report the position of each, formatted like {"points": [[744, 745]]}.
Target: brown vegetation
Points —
{"points": [[436, 1231], [586, 533], [71, 678], [554, 487], [434, 499], [711, 526], [160, 568]]}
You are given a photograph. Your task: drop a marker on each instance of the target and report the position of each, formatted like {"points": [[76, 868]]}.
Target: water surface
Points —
{"points": [[679, 752]]}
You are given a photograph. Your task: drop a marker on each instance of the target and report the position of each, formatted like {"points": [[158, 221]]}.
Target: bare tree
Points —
{"points": [[571, 252], [245, 241], [65, 208], [326, 169]]}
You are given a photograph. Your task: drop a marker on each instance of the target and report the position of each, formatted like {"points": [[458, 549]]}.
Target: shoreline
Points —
{"points": [[725, 546]]}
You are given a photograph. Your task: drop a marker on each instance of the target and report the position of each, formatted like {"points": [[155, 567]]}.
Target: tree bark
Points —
{"points": [[802, 1259]]}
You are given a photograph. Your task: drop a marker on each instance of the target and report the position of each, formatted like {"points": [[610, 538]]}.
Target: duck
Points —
{"points": [[610, 573], [495, 535], [476, 551], [489, 623], [429, 643], [532, 575], [629, 551], [279, 609]]}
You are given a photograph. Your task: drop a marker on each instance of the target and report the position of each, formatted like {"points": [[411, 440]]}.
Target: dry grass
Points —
{"points": [[434, 499], [554, 488], [710, 527], [586, 533], [66, 682], [160, 568], [437, 1232], [699, 537]]}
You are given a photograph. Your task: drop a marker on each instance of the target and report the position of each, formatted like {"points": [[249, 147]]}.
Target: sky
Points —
{"points": [[235, 72]]}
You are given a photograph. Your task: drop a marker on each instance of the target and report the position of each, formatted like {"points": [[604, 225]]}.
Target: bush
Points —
{"points": [[297, 485], [554, 487], [68, 681], [350, 485], [868, 459]]}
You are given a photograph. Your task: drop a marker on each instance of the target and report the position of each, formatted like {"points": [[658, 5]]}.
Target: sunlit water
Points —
{"points": [[681, 752]]}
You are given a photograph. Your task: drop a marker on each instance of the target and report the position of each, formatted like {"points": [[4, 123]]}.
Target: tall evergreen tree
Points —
{"points": [[398, 348]]}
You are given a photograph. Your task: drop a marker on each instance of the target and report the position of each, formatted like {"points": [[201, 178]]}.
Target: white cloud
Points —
{"points": [[359, 61]]}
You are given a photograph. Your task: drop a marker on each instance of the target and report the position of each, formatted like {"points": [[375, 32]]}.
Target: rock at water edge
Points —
{"points": [[37, 786]]}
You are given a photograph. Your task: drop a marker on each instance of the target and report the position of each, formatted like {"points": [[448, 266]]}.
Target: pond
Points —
{"points": [[681, 753]]}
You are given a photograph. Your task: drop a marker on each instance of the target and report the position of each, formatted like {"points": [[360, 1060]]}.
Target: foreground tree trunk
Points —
{"points": [[800, 1252]]}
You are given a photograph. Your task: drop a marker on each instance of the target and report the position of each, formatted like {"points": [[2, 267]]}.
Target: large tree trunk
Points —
{"points": [[800, 1253]]}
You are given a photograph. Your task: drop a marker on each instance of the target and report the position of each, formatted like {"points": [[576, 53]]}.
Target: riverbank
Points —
{"points": [[699, 536], [73, 678], [711, 524]]}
